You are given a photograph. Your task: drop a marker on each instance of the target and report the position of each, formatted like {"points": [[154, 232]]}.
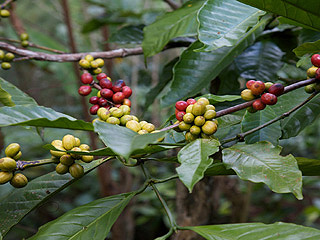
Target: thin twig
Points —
{"points": [[21, 165], [7, 2], [172, 4]]}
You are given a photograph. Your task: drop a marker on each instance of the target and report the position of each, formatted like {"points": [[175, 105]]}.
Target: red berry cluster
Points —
{"points": [[265, 92], [181, 107]]}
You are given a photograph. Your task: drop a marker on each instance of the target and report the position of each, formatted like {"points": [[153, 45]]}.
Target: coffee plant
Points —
{"points": [[235, 91]]}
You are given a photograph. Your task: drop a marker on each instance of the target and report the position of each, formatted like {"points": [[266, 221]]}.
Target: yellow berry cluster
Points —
{"points": [[67, 161], [92, 65], [8, 166], [5, 59]]}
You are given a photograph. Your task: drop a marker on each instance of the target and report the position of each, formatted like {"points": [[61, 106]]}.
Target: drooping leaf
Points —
{"points": [[223, 98], [216, 30], [253, 231], [132, 34], [124, 141], [195, 70], [90, 221], [307, 48], [299, 11], [194, 159], [10, 95], [21, 201], [229, 125], [271, 133], [261, 162], [38, 116], [179, 23], [284, 20], [261, 61]]}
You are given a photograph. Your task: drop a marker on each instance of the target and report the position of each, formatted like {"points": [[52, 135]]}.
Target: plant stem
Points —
{"points": [[21, 165], [2, 6]]}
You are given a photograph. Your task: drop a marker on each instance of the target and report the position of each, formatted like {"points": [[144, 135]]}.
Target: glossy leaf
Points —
{"points": [[188, 80], [307, 48], [223, 98], [271, 133], [38, 116], [295, 10], [284, 20], [21, 201], [90, 221], [10, 95], [194, 159], [122, 140], [261, 162], [128, 35], [229, 125], [179, 23], [261, 61], [216, 30], [254, 231]]}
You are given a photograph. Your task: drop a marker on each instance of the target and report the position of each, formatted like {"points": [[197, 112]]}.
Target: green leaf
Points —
{"points": [[253, 231], [284, 20], [90, 221], [299, 11], [217, 30], [122, 140], [179, 23], [194, 159], [271, 133], [10, 95], [223, 98], [261, 162], [21, 201], [261, 61], [32, 115], [188, 80], [229, 125], [132, 34], [307, 48]]}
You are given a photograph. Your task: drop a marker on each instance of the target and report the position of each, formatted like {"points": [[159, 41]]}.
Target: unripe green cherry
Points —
{"points": [[8, 57], [195, 130], [125, 118], [74, 155], [62, 169], [134, 118], [103, 113], [84, 147], [125, 109], [311, 72], [198, 108], [78, 142], [5, 65], [117, 113], [58, 153], [204, 100], [190, 137], [184, 126], [149, 127], [7, 164], [317, 87], [25, 43], [113, 120], [89, 58], [1, 54], [100, 62], [141, 132], [67, 160], [4, 13], [5, 177], [268, 85], [12, 150], [310, 88], [56, 143], [189, 108], [247, 95], [97, 71], [209, 128], [87, 158], [19, 180], [209, 114], [199, 121], [210, 107], [84, 64], [68, 141], [17, 156], [133, 125], [24, 36], [188, 118], [142, 123], [76, 170]]}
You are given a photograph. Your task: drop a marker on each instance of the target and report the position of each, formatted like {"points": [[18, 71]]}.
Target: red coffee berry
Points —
{"points": [[127, 102], [105, 83], [118, 97], [106, 93], [94, 100], [318, 74], [276, 89], [250, 83], [120, 82], [315, 60], [101, 76], [94, 109], [84, 90], [102, 102], [257, 88], [117, 88], [191, 101], [258, 105], [179, 115], [181, 105], [127, 91], [86, 78], [269, 98]]}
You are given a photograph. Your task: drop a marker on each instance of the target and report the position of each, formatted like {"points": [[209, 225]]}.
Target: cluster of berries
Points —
{"points": [[196, 118], [92, 65], [4, 13], [67, 161], [24, 37], [8, 166], [314, 72], [5, 59], [265, 92]]}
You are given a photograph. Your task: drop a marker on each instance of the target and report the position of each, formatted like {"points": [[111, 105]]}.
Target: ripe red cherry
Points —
{"points": [[105, 83], [84, 90], [94, 109], [250, 83], [120, 82], [86, 78], [258, 105], [191, 101], [118, 97], [315, 60], [269, 98], [181, 105], [179, 115], [94, 100], [117, 88], [106, 93], [101, 76], [127, 102], [276, 89], [318, 74], [257, 88], [102, 102], [127, 91]]}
